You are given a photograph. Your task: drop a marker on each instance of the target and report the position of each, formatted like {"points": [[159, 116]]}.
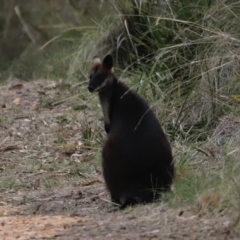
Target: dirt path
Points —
{"points": [[143, 222], [51, 186]]}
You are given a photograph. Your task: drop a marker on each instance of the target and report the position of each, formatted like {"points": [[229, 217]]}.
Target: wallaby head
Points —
{"points": [[101, 73]]}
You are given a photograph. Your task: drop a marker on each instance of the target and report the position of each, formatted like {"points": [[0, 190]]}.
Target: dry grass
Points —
{"points": [[51, 133]]}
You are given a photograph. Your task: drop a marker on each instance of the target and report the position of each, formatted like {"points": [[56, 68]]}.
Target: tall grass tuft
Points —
{"points": [[184, 55]]}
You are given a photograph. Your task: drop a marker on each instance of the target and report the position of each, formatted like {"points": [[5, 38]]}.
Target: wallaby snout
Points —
{"points": [[90, 88]]}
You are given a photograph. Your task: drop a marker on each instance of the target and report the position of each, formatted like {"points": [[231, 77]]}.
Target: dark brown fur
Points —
{"points": [[136, 158]]}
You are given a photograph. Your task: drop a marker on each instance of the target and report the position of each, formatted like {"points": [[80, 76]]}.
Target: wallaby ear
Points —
{"points": [[96, 61], [108, 62]]}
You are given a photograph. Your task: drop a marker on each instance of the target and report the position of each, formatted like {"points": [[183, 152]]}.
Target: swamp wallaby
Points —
{"points": [[136, 157]]}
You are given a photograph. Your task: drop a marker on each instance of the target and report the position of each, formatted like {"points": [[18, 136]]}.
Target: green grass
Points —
{"points": [[3, 120], [207, 185], [10, 182]]}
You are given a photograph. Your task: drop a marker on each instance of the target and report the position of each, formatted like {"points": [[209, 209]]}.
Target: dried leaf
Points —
{"points": [[8, 148], [68, 153], [92, 182], [17, 101], [16, 87], [19, 134]]}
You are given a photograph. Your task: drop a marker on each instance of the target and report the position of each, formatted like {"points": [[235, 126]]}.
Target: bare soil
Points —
{"points": [[51, 185]]}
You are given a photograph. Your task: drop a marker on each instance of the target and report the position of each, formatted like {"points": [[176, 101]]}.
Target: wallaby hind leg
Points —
{"points": [[135, 197]]}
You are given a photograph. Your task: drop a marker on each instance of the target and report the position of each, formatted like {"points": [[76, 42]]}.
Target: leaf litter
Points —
{"points": [[49, 189]]}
